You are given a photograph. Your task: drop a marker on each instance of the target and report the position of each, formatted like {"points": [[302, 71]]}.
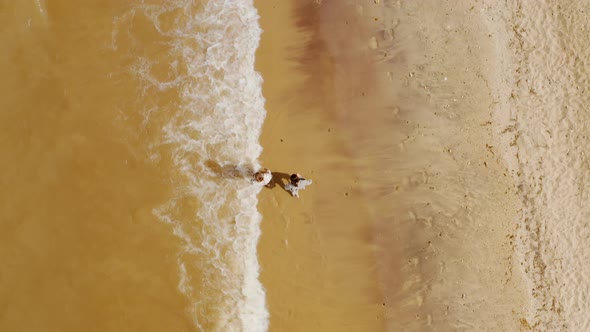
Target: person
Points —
{"points": [[263, 177], [297, 183]]}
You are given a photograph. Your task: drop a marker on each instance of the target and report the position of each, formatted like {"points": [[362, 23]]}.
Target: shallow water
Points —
{"points": [[128, 131]]}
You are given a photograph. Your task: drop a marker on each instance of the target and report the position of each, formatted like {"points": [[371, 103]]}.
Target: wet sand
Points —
{"points": [[411, 220], [317, 261]]}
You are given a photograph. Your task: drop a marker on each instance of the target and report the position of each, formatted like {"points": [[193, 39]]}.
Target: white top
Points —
{"points": [[266, 178], [295, 189]]}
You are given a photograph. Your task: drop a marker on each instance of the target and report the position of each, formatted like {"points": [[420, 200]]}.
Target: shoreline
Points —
{"points": [[318, 264]]}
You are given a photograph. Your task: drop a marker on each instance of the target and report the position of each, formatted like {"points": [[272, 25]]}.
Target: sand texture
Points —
{"points": [[448, 187]]}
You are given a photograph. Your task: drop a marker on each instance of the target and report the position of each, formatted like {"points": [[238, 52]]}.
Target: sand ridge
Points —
{"points": [[544, 125]]}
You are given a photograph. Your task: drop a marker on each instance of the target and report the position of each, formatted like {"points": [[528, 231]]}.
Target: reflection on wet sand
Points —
{"points": [[317, 262]]}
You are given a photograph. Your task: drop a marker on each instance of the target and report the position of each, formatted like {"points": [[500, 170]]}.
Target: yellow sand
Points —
{"points": [[316, 257], [410, 222]]}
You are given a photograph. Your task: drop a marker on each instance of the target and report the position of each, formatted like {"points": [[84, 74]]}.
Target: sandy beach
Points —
{"points": [[410, 223]]}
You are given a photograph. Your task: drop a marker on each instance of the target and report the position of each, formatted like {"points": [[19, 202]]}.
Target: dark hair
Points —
{"points": [[295, 179], [259, 177]]}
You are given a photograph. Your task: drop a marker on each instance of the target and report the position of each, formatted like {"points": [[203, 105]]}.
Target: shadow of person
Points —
{"points": [[277, 179]]}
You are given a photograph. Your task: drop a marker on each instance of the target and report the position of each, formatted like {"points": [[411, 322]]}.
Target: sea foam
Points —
{"points": [[202, 98]]}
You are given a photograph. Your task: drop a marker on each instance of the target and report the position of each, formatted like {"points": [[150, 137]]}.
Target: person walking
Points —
{"points": [[297, 183]]}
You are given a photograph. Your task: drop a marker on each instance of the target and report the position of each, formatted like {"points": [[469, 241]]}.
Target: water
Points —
{"points": [[129, 132]]}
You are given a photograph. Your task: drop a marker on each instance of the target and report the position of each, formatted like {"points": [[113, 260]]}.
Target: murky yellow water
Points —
{"points": [[79, 246]]}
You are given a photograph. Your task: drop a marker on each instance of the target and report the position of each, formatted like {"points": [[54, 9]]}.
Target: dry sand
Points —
{"points": [[410, 222]]}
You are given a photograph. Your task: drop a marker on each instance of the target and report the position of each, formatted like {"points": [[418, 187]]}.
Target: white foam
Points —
{"points": [[42, 10], [217, 118]]}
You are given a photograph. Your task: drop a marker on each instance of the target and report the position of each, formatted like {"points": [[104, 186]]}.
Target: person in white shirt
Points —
{"points": [[297, 183], [263, 177]]}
